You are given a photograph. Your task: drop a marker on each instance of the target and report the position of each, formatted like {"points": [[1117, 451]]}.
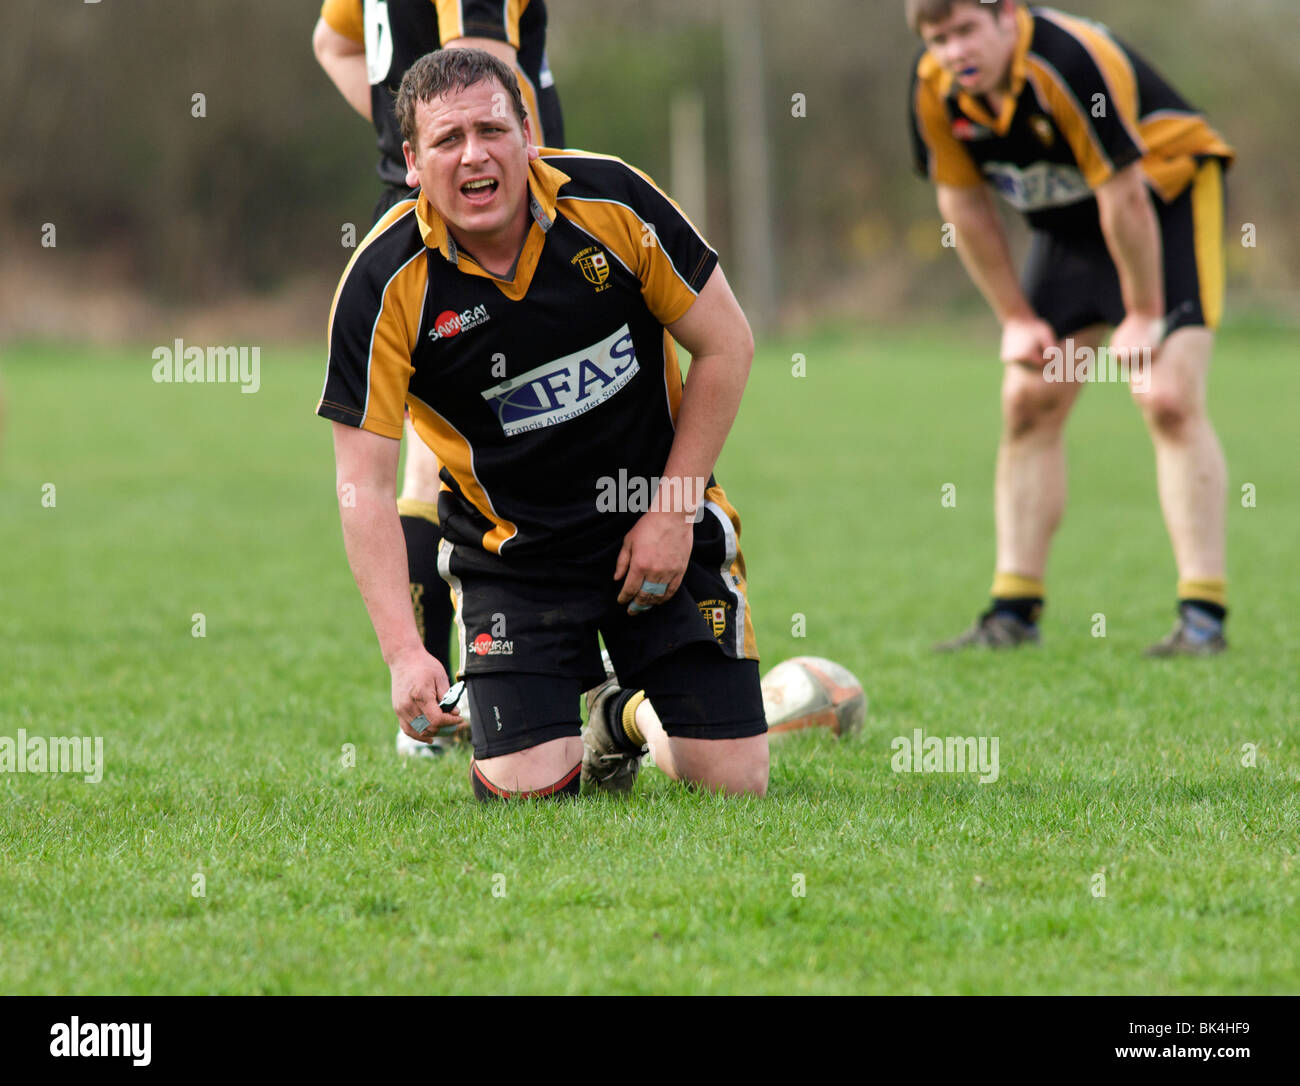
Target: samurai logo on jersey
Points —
{"points": [[969, 131], [487, 645], [1042, 185], [558, 391], [450, 324]]}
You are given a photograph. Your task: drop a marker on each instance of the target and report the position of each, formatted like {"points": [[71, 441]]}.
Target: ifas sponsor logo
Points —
{"points": [[112, 1039], [1038, 187], [448, 324], [487, 645], [561, 390]]}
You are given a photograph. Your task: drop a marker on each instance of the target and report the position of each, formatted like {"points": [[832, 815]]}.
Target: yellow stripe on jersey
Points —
{"points": [[451, 20], [452, 24], [1207, 226], [950, 164], [1112, 63], [1068, 113], [529, 95], [457, 456], [514, 9], [1173, 141], [389, 217], [344, 17], [395, 330]]}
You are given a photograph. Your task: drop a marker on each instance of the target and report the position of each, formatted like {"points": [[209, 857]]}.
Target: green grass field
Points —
{"points": [[224, 754]]}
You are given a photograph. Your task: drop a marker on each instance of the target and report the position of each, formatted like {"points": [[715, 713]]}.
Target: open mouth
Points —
{"points": [[480, 190], [968, 73]]}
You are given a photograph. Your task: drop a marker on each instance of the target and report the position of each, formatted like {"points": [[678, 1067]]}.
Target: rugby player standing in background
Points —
{"points": [[1121, 182]]}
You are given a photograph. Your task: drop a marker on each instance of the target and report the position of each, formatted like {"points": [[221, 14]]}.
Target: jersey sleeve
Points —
{"points": [[1090, 88], [372, 326], [344, 17], [495, 19], [937, 153], [674, 261]]}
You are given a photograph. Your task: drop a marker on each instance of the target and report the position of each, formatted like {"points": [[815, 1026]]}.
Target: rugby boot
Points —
{"points": [[993, 630], [1194, 634]]}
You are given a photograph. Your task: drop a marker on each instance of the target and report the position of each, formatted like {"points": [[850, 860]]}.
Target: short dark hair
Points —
{"points": [[934, 11], [443, 70]]}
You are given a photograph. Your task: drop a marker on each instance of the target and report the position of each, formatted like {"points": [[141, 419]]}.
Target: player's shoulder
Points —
{"points": [[393, 242], [929, 77], [597, 176], [1070, 44]]}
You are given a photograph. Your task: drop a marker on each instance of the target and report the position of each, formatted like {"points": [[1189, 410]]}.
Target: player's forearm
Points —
{"points": [[344, 62], [1132, 233], [710, 402], [372, 536], [982, 247]]}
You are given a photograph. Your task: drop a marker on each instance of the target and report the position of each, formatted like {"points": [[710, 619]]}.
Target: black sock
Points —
{"points": [[1025, 608], [614, 717], [1214, 610], [430, 597]]}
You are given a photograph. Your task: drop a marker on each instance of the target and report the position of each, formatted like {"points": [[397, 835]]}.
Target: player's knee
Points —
{"points": [[487, 791], [1168, 411], [756, 774], [1032, 405]]}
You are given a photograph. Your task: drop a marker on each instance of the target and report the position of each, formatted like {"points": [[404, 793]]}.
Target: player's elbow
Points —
{"points": [[1124, 197], [320, 40], [329, 45]]}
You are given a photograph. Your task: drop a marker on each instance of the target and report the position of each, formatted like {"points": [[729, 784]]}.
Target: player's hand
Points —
{"points": [[1137, 339], [1026, 341], [418, 682], [655, 552]]}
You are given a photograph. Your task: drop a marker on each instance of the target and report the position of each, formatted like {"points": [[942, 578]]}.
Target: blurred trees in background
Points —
{"points": [[100, 138]]}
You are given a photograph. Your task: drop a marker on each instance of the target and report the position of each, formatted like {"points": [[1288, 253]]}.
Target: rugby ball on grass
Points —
{"points": [[811, 692]]}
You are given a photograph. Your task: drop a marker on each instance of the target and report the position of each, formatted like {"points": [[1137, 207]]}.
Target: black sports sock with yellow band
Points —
{"points": [[430, 597], [1020, 596]]}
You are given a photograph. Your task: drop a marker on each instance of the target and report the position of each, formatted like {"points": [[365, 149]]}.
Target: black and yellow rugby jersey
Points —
{"points": [[533, 391], [397, 33], [1082, 106]]}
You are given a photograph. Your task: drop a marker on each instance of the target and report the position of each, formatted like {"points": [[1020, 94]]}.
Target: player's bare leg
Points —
{"points": [[734, 766], [1028, 494], [536, 769], [1193, 483], [420, 478], [1030, 486]]}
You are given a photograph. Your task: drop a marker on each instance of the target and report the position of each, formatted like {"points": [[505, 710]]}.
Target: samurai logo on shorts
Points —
{"points": [[487, 645], [594, 264], [714, 612], [558, 391]]}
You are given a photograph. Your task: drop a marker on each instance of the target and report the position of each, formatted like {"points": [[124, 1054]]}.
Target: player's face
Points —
{"points": [[975, 43], [471, 159]]}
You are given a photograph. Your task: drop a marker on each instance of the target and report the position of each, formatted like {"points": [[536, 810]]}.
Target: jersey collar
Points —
{"points": [[974, 107], [544, 184]]}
